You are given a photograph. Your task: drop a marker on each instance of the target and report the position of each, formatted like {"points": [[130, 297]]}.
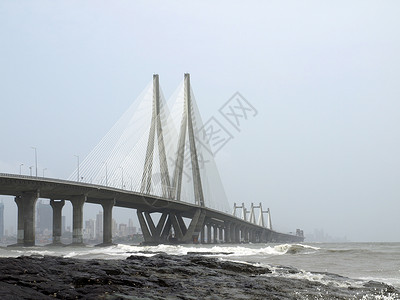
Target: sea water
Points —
{"points": [[356, 263]]}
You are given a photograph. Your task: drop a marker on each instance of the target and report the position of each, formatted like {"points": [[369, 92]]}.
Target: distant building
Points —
{"points": [[1, 220], [114, 228], [99, 226], [131, 229], [89, 230], [44, 217], [63, 220], [122, 230]]}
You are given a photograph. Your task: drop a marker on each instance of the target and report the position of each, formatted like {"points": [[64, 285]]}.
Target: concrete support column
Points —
{"points": [[251, 236], [227, 233], [237, 234], [28, 203], [107, 220], [202, 235], [77, 219], [246, 234], [220, 235], [57, 209], [255, 240], [232, 233], [20, 224], [209, 233], [215, 232], [145, 229]]}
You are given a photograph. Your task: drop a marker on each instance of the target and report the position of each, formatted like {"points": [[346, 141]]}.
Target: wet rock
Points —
{"points": [[165, 277]]}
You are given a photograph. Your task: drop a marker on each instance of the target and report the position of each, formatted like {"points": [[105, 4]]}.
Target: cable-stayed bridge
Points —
{"points": [[156, 159]]}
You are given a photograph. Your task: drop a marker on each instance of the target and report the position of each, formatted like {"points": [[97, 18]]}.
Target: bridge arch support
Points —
{"points": [[171, 227]]}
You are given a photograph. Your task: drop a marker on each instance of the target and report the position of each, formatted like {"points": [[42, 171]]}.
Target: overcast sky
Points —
{"points": [[323, 150]]}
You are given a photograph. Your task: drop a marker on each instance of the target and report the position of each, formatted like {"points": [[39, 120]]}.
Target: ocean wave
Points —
{"points": [[324, 278], [295, 248], [123, 251], [227, 250]]}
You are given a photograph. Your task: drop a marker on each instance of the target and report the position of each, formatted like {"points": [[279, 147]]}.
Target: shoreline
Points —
{"points": [[164, 276]]}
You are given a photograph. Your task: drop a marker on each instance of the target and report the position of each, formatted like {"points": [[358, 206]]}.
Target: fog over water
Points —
{"points": [[322, 152]]}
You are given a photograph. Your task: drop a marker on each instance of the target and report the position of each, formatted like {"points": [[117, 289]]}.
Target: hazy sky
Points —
{"points": [[323, 150]]}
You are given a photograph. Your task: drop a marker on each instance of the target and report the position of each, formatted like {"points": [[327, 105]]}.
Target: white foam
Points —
{"points": [[122, 251], [316, 277]]}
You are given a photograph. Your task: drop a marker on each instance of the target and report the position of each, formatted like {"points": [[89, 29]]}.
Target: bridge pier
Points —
{"points": [[213, 237], [227, 235], [202, 235], [245, 234], [171, 220], [251, 236], [237, 234], [107, 221], [20, 221], [154, 234], [26, 203], [77, 219], [208, 233], [57, 209]]}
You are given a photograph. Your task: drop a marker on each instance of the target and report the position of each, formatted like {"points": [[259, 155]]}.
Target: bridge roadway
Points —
{"points": [[225, 228]]}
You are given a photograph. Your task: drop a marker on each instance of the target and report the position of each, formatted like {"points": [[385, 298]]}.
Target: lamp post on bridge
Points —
{"points": [[20, 169], [43, 171], [77, 157], [30, 170], [34, 148]]}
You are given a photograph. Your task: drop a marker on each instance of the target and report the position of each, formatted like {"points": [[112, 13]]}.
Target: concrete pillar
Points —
{"points": [[246, 234], [29, 200], [237, 234], [227, 236], [107, 220], [208, 233], [232, 233], [220, 235], [202, 235], [20, 224], [215, 234], [145, 229], [57, 208], [77, 219]]}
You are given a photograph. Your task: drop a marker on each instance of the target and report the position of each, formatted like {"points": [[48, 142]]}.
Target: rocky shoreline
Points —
{"points": [[168, 277]]}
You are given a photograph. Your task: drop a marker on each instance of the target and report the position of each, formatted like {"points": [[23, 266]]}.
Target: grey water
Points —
{"points": [[359, 262]]}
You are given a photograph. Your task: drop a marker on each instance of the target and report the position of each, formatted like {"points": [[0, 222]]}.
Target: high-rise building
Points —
{"points": [[44, 217], [89, 232], [131, 229], [122, 230], [114, 228], [99, 226], [1, 220]]}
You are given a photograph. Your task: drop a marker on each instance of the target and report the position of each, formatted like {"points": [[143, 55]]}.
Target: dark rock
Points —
{"points": [[165, 277]]}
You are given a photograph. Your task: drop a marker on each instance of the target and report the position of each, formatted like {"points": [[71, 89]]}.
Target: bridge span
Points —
{"points": [[226, 228]]}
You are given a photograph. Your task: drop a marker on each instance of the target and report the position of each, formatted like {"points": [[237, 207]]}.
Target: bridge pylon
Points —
{"points": [[156, 129], [187, 128], [171, 226]]}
